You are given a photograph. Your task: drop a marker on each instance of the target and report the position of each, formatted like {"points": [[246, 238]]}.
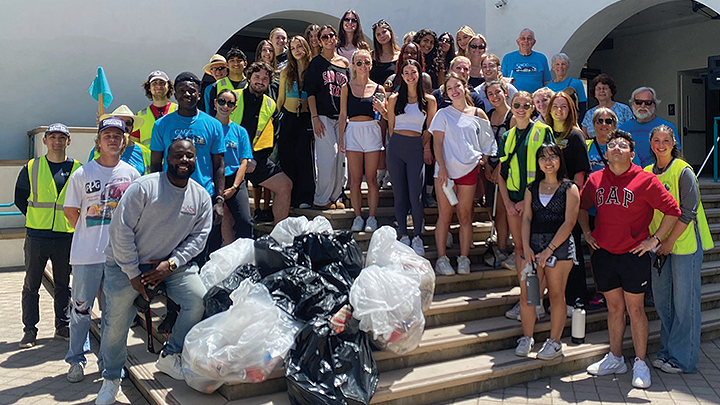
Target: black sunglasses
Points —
{"points": [[351, 20], [445, 40], [646, 102], [473, 46], [360, 63], [379, 23], [325, 37], [525, 106], [222, 103], [608, 121]]}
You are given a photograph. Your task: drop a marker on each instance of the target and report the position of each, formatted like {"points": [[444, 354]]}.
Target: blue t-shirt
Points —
{"points": [[530, 72], [623, 112], [202, 130], [641, 135], [132, 155], [569, 82], [238, 147]]}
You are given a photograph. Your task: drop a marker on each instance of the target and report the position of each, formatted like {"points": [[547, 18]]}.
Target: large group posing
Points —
{"points": [[439, 119]]}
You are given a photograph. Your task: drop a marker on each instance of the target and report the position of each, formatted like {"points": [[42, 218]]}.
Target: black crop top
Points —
{"points": [[360, 106], [549, 218]]}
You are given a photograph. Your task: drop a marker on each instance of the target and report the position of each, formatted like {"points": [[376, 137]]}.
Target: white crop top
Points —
{"points": [[411, 120]]}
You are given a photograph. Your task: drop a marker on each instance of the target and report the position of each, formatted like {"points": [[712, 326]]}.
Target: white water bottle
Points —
{"points": [[578, 323], [449, 192]]}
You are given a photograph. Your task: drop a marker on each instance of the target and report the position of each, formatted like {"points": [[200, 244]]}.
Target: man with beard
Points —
{"points": [[159, 226], [644, 103], [257, 113]]}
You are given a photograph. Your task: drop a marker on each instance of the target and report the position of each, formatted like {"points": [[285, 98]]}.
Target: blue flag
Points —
{"points": [[101, 86]]}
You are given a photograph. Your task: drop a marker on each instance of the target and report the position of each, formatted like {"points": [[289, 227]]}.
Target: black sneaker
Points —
{"points": [[267, 215], [28, 340], [258, 215], [62, 333]]}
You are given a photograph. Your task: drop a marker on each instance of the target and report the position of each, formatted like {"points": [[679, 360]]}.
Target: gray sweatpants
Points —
{"points": [[407, 172]]}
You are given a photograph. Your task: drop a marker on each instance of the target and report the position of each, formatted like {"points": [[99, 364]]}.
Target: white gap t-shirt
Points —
{"points": [[467, 138], [96, 190]]}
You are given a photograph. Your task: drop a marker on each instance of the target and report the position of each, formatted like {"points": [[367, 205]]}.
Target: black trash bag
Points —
{"points": [[305, 294], [331, 370], [270, 256], [217, 298], [337, 275], [323, 249]]}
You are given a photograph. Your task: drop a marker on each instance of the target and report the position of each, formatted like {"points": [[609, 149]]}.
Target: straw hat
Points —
{"points": [[125, 111], [216, 60]]}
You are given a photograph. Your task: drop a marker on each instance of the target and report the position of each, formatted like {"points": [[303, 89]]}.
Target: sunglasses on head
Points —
{"points": [[621, 144], [646, 102], [350, 20], [608, 121], [360, 63], [473, 46], [445, 40], [525, 106], [325, 37], [379, 23], [222, 103]]}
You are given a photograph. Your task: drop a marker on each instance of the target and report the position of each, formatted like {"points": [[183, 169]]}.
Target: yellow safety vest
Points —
{"points": [[225, 83], [45, 208], [265, 133], [149, 122], [536, 140], [144, 150], [686, 243]]}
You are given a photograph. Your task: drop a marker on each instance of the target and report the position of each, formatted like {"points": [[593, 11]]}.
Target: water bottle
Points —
{"points": [[578, 323], [449, 192], [381, 97], [532, 288]]}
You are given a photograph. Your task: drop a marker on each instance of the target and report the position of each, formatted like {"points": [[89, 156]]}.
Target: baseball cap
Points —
{"points": [[57, 127], [158, 74], [112, 122]]}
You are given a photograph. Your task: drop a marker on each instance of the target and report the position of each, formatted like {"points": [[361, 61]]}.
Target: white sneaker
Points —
{"points": [[659, 362], [550, 350], [418, 245], [524, 346], [514, 312], [108, 392], [304, 206], [387, 182], [670, 368], [371, 225], [641, 374], [76, 373], [509, 263], [463, 265], [380, 176], [539, 313], [405, 239], [443, 267], [449, 241], [170, 364], [608, 365], [358, 224]]}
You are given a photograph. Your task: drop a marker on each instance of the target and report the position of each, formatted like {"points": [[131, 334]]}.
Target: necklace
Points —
{"points": [[549, 187]]}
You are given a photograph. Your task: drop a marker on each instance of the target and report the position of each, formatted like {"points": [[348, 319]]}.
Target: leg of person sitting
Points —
{"points": [[243, 226], [281, 185]]}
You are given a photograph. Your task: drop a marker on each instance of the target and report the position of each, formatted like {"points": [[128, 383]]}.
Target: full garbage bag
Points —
{"points": [[385, 250], [226, 259], [217, 298], [386, 301], [327, 369], [323, 249], [244, 344], [286, 230], [271, 256]]}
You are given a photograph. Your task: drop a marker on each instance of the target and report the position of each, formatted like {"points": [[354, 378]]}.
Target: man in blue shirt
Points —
{"points": [[644, 103], [528, 69]]}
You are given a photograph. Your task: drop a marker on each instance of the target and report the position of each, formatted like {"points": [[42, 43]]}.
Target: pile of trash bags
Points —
{"points": [[301, 298]]}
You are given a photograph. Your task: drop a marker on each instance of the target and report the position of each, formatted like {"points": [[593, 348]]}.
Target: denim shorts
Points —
{"points": [[566, 250]]}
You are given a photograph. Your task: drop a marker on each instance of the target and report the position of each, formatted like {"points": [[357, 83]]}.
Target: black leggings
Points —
{"points": [[406, 167], [239, 207], [296, 157]]}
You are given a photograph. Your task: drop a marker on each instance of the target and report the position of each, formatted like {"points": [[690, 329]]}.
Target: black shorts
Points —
{"points": [[629, 271], [264, 170], [566, 250]]}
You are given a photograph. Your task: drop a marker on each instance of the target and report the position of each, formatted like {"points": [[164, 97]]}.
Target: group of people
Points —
{"points": [[440, 119]]}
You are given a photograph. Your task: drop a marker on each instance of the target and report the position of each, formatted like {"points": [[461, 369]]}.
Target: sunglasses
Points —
{"points": [[222, 103], [525, 106], [646, 102], [217, 69], [351, 20], [379, 23], [621, 144], [608, 121], [445, 40], [325, 37], [473, 46], [360, 63]]}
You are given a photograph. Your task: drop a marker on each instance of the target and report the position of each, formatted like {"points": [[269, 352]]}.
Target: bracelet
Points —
{"points": [[656, 237], [314, 116], [219, 197], [235, 186], [552, 247]]}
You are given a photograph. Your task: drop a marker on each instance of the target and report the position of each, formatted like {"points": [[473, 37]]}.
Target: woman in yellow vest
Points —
{"points": [[676, 285]]}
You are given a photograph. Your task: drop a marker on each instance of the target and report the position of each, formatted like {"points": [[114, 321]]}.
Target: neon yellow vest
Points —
{"points": [[144, 150], [265, 133], [686, 243], [225, 83], [536, 140], [45, 207], [149, 122]]}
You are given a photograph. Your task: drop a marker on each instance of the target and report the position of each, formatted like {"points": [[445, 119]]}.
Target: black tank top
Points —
{"points": [[360, 106]]}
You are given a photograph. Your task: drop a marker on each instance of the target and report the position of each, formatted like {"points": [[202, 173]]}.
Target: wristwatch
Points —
{"points": [[173, 265]]}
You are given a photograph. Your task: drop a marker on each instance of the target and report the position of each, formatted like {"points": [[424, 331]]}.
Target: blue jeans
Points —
{"points": [[183, 286], [85, 285], [677, 301]]}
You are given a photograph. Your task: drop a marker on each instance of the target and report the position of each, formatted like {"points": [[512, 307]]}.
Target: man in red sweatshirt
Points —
{"points": [[625, 197]]}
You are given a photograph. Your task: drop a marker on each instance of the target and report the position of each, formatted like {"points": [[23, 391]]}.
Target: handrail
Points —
{"points": [[713, 152], [7, 214]]}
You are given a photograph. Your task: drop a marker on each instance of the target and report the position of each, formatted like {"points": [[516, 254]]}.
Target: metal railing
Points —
{"points": [[713, 152], [7, 214]]}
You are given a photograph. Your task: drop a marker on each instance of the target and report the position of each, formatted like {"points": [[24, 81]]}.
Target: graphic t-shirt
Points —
{"points": [[324, 81], [238, 147], [530, 72], [96, 191], [202, 130]]}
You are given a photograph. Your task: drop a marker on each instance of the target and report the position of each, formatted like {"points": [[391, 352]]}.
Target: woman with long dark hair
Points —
{"points": [[427, 43], [296, 134], [409, 50], [350, 35], [409, 147], [311, 36], [445, 54]]}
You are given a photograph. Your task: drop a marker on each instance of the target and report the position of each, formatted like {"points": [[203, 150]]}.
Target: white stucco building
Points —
{"points": [[51, 49]]}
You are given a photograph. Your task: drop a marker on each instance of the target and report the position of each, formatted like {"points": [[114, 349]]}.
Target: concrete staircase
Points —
{"points": [[468, 344]]}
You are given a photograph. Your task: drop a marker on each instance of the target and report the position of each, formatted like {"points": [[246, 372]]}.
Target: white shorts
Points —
{"points": [[363, 136]]}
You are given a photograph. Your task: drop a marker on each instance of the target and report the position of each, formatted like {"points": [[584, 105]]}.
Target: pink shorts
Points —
{"points": [[469, 179]]}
